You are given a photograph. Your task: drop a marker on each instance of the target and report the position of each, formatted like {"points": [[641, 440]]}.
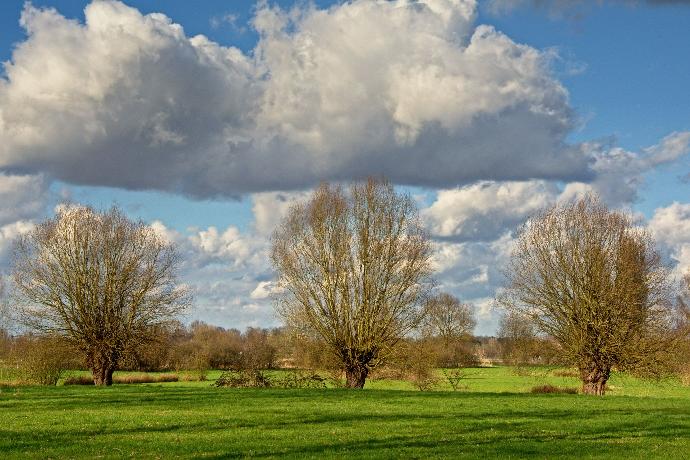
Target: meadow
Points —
{"points": [[495, 416]]}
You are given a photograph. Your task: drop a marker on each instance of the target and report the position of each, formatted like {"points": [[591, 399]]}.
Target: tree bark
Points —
{"points": [[102, 375], [355, 376], [594, 380]]}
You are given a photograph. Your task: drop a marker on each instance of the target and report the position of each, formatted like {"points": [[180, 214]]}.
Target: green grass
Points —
{"points": [[193, 419]]}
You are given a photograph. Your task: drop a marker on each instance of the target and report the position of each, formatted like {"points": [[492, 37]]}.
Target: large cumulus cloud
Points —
{"points": [[411, 89]]}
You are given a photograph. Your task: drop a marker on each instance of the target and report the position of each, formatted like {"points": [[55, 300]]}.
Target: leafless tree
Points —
{"points": [[446, 317], [355, 267], [98, 279], [594, 282], [518, 338]]}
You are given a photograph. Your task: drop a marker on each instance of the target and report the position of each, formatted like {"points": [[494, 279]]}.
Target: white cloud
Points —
{"points": [[270, 207], [670, 226], [619, 172], [485, 211], [22, 197], [128, 100], [265, 289], [8, 236]]}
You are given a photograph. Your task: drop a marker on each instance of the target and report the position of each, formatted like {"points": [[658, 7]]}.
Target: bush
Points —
{"points": [[417, 364], [455, 353], [41, 360], [553, 389], [454, 378], [258, 379], [300, 379], [243, 379]]}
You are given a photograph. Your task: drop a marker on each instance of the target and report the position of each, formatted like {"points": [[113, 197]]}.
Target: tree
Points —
{"points": [[590, 279], [446, 317], [355, 268], [447, 327], [518, 338], [98, 279]]}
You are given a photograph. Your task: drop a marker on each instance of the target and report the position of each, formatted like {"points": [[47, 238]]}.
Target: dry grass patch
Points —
{"points": [[146, 378], [79, 380], [566, 373], [546, 389]]}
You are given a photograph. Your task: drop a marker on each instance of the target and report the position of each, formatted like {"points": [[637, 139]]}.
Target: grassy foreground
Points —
{"points": [[191, 419]]}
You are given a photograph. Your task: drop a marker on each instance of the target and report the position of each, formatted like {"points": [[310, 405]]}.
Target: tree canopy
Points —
{"points": [[592, 280], [355, 267], [99, 280]]}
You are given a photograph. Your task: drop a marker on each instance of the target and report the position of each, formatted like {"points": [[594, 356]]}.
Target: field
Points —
{"points": [[494, 417]]}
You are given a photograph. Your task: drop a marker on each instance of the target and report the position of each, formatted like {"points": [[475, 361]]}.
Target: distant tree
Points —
{"points": [[98, 279], [447, 329], [355, 267], [446, 317], [593, 281], [518, 338]]}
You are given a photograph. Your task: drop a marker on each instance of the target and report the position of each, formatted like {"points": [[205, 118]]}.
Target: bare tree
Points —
{"points": [[355, 268], [98, 279], [594, 282], [518, 338], [446, 317]]}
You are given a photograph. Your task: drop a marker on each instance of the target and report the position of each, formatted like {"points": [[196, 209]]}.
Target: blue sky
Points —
{"points": [[613, 74]]}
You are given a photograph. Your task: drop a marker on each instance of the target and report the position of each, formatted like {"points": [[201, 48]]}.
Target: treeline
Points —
{"points": [[200, 347]]}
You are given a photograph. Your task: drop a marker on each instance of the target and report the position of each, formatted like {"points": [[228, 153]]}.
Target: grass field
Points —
{"points": [[494, 417]]}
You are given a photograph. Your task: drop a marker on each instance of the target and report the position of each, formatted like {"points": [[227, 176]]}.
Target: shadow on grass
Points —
{"points": [[313, 422]]}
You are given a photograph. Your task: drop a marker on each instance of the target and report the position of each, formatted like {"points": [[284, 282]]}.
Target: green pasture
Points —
{"points": [[495, 416]]}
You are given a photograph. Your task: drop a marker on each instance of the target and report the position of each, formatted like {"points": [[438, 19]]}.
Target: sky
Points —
{"points": [[208, 119]]}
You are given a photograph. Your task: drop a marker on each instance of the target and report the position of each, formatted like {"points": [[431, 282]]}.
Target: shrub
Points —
{"points": [[258, 379], [553, 389], [300, 379], [454, 377], [41, 360], [243, 379]]}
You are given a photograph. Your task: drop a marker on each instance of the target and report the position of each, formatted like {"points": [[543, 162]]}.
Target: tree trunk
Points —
{"points": [[594, 380], [102, 375], [355, 376]]}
